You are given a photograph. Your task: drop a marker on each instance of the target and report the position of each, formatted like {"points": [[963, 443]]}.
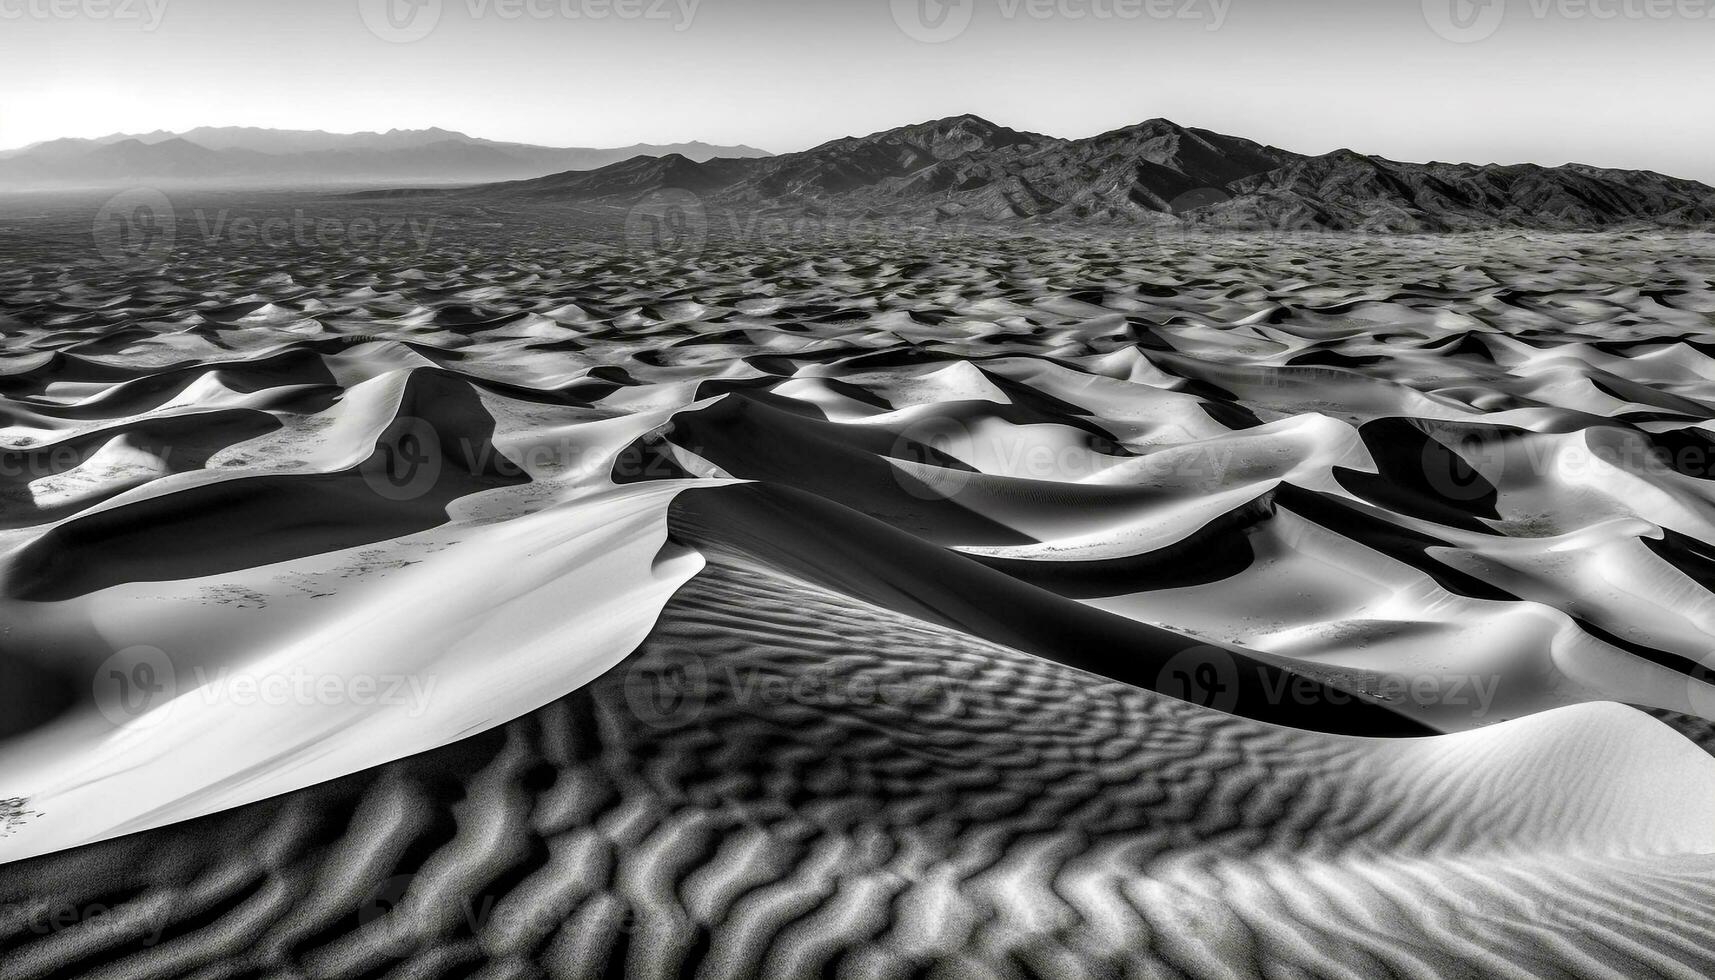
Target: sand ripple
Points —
{"points": [[1007, 607]]}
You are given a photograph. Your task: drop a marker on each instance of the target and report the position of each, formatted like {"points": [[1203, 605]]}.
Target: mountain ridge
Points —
{"points": [[1154, 172], [257, 155]]}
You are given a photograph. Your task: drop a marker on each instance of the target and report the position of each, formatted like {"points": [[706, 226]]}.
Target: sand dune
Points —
{"points": [[336, 573], [993, 607], [997, 814]]}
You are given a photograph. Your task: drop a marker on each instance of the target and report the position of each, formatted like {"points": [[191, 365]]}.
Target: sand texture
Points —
{"points": [[994, 606]]}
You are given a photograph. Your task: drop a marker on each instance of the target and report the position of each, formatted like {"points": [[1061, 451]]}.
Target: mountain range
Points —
{"points": [[962, 168], [247, 155], [967, 168]]}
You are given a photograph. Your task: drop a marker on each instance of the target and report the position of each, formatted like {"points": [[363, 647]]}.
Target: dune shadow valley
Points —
{"points": [[918, 557]]}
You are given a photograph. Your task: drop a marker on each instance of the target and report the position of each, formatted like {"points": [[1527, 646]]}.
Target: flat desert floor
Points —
{"points": [[466, 593]]}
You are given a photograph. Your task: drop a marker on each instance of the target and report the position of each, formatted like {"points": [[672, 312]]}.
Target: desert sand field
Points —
{"points": [[448, 591]]}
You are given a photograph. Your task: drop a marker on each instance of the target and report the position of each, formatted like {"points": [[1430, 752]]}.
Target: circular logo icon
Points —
{"points": [[1452, 473], [1464, 21], [667, 688], [933, 21], [400, 21], [671, 220], [931, 443], [134, 687], [1204, 675], [386, 917], [135, 228], [407, 460]]}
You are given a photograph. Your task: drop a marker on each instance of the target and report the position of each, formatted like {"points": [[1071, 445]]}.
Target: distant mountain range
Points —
{"points": [[241, 155], [967, 168], [954, 169]]}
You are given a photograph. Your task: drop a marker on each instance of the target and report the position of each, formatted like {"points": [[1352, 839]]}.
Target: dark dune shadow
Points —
{"points": [[755, 437], [1421, 477], [180, 442], [1215, 552], [840, 549], [222, 527], [32, 695]]}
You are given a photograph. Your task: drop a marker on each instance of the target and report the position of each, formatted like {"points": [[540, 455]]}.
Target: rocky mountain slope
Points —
{"points": [[1158, 172]]}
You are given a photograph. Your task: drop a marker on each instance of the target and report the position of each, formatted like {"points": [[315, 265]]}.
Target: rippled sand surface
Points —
{"points": [[890, 604]]}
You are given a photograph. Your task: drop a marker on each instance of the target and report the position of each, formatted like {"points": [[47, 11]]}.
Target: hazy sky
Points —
{"points": [[1621, 83]]}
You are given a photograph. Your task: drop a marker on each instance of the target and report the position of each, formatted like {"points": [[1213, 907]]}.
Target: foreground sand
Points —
{"points": [[1007, 607], [1047, 824]]}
